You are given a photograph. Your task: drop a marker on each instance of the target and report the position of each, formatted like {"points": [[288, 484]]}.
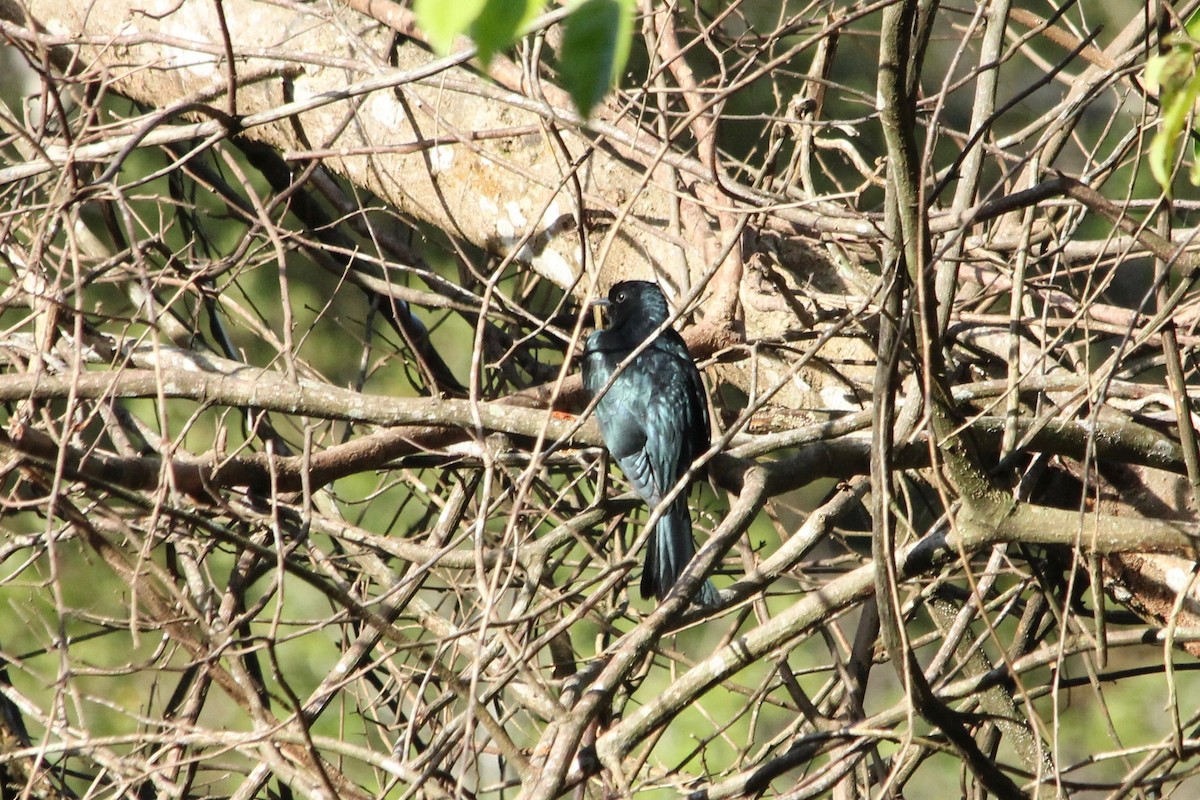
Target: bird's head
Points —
{"points": [[639, 304]]}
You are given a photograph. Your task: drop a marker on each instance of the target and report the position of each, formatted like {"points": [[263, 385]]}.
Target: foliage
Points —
{"points": [[595, 48], [1173, 74], [596, 37]]}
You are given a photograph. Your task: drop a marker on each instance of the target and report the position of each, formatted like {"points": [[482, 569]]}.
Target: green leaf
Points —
{"points": [[1192, 26], [1169, 72], [500, 23], [1179, 85], [443, 20], [595, 47]]}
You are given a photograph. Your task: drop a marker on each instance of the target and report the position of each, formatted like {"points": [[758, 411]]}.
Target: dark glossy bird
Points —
{"points": [[654, 419]]}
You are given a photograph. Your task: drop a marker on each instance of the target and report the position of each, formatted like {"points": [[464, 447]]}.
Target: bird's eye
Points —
{"points": [[620, 297]]}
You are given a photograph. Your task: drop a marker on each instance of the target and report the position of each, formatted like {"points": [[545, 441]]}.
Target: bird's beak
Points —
{"points": [[594, 307]]}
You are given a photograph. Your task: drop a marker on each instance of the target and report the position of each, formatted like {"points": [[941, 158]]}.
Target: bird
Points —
{"points": [[654, 420]]}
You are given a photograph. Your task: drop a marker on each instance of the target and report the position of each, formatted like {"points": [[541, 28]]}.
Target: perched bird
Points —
{"points": [[654, 419]]}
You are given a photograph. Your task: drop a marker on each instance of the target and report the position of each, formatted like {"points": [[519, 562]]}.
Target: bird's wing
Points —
{"points": [[698, 424], [695, 413], [654, 416], [624, 416], [663, 416]]}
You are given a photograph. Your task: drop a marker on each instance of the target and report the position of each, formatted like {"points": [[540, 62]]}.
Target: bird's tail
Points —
{"points": [[668, 553]]}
